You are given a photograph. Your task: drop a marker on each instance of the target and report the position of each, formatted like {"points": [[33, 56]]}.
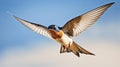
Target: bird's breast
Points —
{"points": [[61, 37], [65, 40]]}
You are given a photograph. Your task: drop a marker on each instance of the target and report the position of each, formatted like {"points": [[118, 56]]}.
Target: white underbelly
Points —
{"points": [[64, 40]]}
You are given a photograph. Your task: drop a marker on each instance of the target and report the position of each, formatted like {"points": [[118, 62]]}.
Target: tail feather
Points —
{"points": [[76, 49]]}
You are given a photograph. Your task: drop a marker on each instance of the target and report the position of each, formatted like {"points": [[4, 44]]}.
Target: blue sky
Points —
{"points": [[16, 39]]}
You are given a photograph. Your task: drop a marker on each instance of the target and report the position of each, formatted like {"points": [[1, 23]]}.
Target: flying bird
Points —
{"points": [[72, 28]]}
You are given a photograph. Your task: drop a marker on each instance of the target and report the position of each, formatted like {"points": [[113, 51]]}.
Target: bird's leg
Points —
{"points": [[68, 48], [62, 50]]}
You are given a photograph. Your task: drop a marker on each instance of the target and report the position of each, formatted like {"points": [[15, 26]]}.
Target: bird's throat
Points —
{"points": [[56, 34]]}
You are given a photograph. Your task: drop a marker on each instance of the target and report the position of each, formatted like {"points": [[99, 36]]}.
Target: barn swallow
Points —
{"points": [[72, 28]]}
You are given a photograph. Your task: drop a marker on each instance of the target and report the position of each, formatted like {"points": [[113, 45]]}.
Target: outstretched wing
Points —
{"points": [[82, 22], [40, 29]]}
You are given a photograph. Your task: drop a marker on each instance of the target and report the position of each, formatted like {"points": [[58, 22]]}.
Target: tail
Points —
{"points": [[76, 49]]}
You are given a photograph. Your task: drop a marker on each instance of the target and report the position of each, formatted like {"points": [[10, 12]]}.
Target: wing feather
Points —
{"points": [[40, 29], [78, 24]]}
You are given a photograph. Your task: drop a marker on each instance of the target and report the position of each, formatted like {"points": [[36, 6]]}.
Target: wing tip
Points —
{"points": [[91, 54], [15, 17], [11, 14], [110, 4]]}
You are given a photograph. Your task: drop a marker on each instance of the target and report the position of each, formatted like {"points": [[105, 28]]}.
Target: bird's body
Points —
{"points": [[72, 28], [62, 38]]}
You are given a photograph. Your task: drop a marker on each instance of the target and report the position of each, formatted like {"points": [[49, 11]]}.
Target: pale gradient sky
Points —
{"points": [[20, 47]]}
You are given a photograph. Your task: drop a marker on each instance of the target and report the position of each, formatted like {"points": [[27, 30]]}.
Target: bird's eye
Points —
{"points": [[50, 27]]}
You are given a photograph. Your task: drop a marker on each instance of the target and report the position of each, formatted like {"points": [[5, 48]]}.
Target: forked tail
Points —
{"points": [[76, 49]]}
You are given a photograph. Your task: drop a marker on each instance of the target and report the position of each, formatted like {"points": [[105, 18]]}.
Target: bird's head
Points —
{"points": [[54, 27]]}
